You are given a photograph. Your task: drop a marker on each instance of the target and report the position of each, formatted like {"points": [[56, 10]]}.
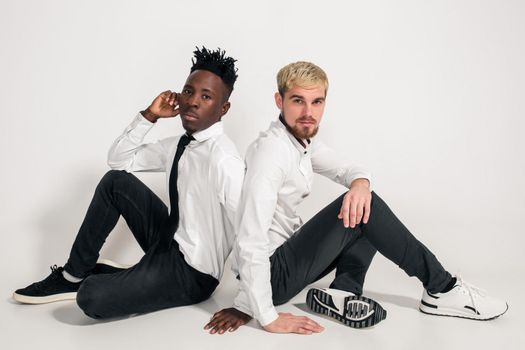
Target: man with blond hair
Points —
{"points": [[276, 255]]}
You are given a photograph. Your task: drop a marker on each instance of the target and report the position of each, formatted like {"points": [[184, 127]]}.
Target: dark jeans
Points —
{"points": [[161, 279], [323, 244]]}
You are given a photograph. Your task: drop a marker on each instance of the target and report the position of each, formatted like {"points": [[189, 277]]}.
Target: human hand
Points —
{"points": [[227, 320], [288, 323], [356, 203], [163, 106]]}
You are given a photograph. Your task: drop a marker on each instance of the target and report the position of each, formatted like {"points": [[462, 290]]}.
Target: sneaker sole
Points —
{"points": [[113, 263], [452, 313], [44, 300], [359, 311]]}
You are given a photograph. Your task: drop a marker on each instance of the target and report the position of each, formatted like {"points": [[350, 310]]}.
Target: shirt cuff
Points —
{"points": [[243, 309], [143, 119], [268, 317], [138, 128]]}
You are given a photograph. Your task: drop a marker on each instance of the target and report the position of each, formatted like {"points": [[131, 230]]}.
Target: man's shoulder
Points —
{"points": [[270, 148], [271, 139], [222, 147]]}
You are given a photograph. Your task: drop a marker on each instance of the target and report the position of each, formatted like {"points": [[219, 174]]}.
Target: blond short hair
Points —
{"points": [[302, 74]]}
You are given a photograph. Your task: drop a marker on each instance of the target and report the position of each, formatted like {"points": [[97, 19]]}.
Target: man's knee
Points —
{"points": [[116, 179], [90, 298], [376, 201], [111, 176]]}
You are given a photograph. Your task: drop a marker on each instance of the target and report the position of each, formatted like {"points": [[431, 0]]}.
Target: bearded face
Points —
{"points": [[302, 109]]}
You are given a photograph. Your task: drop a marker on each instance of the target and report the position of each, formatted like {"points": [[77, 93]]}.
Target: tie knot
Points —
{"points": [[184, 140]]}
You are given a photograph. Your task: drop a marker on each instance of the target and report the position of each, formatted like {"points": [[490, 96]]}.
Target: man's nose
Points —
{"points": [[307, 110], [193, 100]]}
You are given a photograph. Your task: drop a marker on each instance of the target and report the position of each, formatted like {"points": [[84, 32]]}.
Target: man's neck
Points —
{"points": [[301, 141]]}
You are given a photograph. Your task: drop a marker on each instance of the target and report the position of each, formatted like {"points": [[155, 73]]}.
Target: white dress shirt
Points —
{"points": [[210, 177], [279, 176]]}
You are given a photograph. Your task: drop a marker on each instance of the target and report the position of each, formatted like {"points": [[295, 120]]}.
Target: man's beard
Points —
{"points": [[302, 132]]}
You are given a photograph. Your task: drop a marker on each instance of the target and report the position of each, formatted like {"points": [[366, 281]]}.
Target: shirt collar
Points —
{"points": [[213, 130], [302, 146]]}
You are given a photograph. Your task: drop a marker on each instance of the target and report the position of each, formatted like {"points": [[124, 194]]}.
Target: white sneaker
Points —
{"points": [[352, 310], [463, 300]]}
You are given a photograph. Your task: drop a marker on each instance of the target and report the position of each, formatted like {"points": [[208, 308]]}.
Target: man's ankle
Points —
{"points": [[69, 277], [449, 286]]}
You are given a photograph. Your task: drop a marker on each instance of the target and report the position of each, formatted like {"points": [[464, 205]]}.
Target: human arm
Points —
{"points": [[267, 168], [264, 178], [356, 203], [128, 152]]}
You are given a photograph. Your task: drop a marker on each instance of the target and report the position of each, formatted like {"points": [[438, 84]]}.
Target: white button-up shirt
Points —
{"points": [[279, 176], [210, 177]]}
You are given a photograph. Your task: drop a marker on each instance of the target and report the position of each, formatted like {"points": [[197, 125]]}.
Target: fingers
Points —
{"points": [[305, 325], [218, 324], [313, 326], [360, 211], [175, 112], [353, 213], [345, 210], [367, 210], [214, 319], [172, 99], [226, 325], [235, 327], [355, 209], [165, 94], [303, 331], [226, 320], [222, 326], [288, 323]]}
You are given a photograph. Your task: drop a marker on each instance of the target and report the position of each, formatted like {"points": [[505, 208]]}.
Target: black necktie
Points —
{"points": [[172, 222]]}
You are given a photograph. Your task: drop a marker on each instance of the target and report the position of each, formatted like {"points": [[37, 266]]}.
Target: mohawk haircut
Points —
{"points": [[217, 63]]}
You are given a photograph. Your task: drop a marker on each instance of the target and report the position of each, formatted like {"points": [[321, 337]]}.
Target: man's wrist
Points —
{"points": [[360, 182], [149, 116]]}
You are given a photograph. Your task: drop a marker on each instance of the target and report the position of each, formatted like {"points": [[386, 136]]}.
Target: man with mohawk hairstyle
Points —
{"points": [[185, 247]]}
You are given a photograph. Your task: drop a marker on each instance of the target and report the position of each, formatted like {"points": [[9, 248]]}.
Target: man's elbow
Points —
{"points": [[115, 164]]}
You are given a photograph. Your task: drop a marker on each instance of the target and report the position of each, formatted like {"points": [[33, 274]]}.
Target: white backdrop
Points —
{"points": [[429, 95]]}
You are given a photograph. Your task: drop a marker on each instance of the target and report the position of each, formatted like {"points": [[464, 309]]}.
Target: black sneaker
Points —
{"points": [[53, 288], [351, 310], [108, 266]]}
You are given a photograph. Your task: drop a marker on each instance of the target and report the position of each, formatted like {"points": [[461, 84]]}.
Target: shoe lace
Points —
{"points": [[472, 290], [54, 274]]}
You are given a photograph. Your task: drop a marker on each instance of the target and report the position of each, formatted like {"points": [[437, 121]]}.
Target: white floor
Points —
{"points": [[63, 325]]}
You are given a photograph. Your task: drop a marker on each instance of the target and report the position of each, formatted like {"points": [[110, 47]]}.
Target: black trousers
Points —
{"points": [[323, 244], [161, 279]]}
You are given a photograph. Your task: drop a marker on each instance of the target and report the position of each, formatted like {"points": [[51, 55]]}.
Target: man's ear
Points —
{"points": [[279, 100], [225, 107]]}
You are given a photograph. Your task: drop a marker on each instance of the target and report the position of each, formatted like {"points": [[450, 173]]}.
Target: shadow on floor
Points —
{"points": [[399, 300], [71, 314]]}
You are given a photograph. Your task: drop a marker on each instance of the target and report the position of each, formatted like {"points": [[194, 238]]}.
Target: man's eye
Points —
{"points": [[186, 91], [297, 101]]}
